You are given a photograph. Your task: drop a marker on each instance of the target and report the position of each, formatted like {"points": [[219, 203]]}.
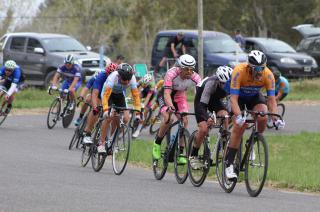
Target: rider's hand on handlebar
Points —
{"points": [[171, 109], [210, 122], [95, 111], [279, 124], [80, 98], [7, 97], [240, 120]]}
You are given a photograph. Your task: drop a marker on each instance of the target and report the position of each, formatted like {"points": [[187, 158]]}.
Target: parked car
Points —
{"points": [[219, 48], [310, 43], [40, 54], [281, 56]]}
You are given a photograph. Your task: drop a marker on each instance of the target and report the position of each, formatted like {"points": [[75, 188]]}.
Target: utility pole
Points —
{"points": [[200, 38]]}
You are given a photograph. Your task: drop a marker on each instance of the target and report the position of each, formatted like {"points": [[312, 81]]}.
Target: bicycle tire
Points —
{"points": [[160, 166], [4, 106], [97, 159], [155, 125], [147, 119], [181, 170], [68, 117], [121, 150], [74, 138], [86, 155], [260, 148], [81, 130], [55, 104], [204, 157]]}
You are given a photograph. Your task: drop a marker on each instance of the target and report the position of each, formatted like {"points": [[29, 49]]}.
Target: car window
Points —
{"points": [[62, 44], [162, 43], [18, 43], [304, 45], [33, 43], [221, 44], [316, 46], [2, 40]]}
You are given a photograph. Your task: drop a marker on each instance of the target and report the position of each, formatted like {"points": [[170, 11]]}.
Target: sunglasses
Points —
{"points": [[188, 69], [9, 70]]}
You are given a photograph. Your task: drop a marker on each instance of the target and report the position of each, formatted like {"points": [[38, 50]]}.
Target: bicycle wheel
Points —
{"points": [[160, 166], [181, 157], [74, 138], [53, 114], [97, 159], [3, 114], [281, 109], [81, 130], [121, 149], [148, 118], [86, 155], [198, 172], [68, 116], [256, 166], [155, 124]]}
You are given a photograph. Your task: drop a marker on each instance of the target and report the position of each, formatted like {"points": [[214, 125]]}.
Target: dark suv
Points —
{"points": [[310, 43], [281, 56], [40, 54]]}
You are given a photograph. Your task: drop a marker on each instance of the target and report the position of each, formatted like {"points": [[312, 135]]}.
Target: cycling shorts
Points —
{"points": [[216, 106], [66, 85], [252, 101]]}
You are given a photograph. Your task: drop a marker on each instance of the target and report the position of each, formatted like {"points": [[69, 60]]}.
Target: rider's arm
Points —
{"points": [[173, 49], [234, 104], [147, 99], [94, 98], [270, 86], [235, 91], [74, 82], [55, 78], [282, 86], [135, 93], [105, 97], [12, 89], [16, 79], [208, 90]]}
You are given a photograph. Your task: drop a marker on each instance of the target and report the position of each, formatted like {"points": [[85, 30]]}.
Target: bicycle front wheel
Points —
{"points": [[155, 122], [3, 108], [121, 149], [256, 166], [74, 138], [68, 117], [181, 157], [86, 155], [199, 169], [53, 114], [160, 166], [97, 159]]}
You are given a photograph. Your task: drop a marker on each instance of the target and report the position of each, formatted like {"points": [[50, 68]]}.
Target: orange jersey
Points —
{"points": [[242, 82]]}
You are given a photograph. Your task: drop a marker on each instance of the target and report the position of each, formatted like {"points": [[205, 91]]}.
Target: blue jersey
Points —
{"points": [[70, 74], [283, 85], [99, 81], [227, 86], [15, 77], [90, 82]]}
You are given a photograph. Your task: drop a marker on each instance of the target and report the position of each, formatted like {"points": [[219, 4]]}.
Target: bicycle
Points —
{"points": [[4, 109], [119, 147], [207, 156], [155, 122], [254, 158], [62, 101], [171, 150], [281, 110], [78, 132]]}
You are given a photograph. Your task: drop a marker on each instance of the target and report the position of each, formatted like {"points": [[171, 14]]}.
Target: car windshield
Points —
{"points": [[277, 46], [63, 45], [221, 44]]}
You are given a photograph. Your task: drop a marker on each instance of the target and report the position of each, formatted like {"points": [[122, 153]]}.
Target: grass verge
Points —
{"points": [[294, 161]]}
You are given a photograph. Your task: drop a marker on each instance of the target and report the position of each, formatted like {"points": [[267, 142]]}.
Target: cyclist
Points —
{"points": [[96, 100], [246, 82], [282, 86], [147, 92], [89, 87], [172, 97], [113, 93], [10, 78], [72, 78], [209, 95]]}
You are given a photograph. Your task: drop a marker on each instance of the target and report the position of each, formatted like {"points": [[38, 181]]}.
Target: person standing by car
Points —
{"points": [[239, 38], [10, 78], [120, 59], [72, 78], [171, 51], [282, 86]]}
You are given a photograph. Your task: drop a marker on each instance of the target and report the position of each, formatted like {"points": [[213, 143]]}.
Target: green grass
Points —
{"points": [[294, 161], [32, 98]]}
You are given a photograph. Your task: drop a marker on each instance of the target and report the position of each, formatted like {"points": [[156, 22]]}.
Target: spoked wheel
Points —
{"points": [[121, 149], [86, 154], [181, 157], [97, 159], [160, 166], [74, 138], [3, 112], [148, 118], [81, 130], [198, 167], [53, 114], [68, 117], [256, 166], [155, 122]]}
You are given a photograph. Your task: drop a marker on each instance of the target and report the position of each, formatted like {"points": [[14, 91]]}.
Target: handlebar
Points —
{"points": [[182, 114]]}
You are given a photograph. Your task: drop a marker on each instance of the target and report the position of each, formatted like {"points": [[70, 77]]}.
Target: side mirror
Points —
{"points": [[38, 50], [88, 48]]}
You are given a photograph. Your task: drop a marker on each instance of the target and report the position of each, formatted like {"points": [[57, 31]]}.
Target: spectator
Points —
{"points": [[239, 38], [120, 58]]}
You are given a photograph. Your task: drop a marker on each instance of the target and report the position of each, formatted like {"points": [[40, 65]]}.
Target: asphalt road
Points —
{"points": [[38, 173]]}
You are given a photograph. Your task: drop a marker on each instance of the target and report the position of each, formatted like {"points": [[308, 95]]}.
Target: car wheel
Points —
{"points": [[48, 79]]}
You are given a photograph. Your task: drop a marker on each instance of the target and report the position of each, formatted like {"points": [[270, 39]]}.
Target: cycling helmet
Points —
{"points": [[111, 67], [257, 58], [147, 79], [10, 65], [69, 59], [276, 74], [125, 71], [186, 61], [224, 73]]}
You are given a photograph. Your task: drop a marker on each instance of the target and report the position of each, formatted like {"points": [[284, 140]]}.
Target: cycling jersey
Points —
{"points": [[99, 82], [70, 74], [15, 76], [209, 95], [282, 85], [159, 85], [243, 84], [113, 85], [178, 86]]}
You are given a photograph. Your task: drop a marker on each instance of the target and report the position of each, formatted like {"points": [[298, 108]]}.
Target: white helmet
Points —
{"points": [[186, 61], [257, 58], [224, 73], [147, 79], [10, 65]]}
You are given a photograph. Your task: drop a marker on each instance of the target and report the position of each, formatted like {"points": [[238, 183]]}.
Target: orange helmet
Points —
{"points": [[111, 67]]}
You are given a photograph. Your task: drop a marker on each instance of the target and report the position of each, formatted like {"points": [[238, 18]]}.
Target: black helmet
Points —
{"points": [[125, 71], [276, 74]]}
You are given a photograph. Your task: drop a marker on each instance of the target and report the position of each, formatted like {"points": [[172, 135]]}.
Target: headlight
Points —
{"points": [[288, 60]]}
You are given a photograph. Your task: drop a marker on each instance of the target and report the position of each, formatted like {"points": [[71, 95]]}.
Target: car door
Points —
{"points": [[16, 50], [158, 49], [315, 50], [34, 62]]}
